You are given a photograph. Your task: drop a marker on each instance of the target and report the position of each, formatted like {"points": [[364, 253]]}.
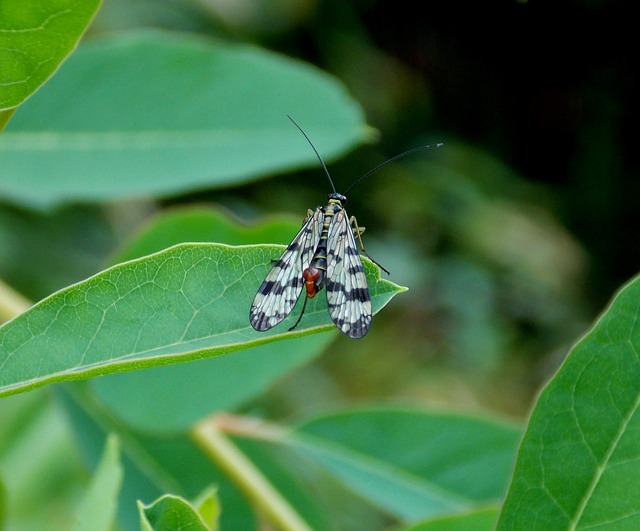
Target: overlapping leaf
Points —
{"points": [[151, 114], [413, 464], [577, 467], [35, 37]]}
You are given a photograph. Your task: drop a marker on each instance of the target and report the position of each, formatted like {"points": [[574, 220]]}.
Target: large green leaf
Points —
{"points": [[175, 396], [35, 37], [578, 465], [159, 113], [188, 302], [410, 463]]}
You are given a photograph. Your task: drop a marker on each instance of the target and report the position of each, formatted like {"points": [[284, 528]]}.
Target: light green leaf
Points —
{"points": [[208, 507], [410, 463], [578, 465], [35, 37], [154, 113], [188, 302], [171, 513], [99, 507]]}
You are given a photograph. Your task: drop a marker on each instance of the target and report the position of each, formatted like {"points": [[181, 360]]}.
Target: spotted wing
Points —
{"points": [[281, 288], [347, 291]]}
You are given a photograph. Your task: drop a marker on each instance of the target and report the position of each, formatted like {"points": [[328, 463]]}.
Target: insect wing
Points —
{"points": [[281, 288], [348, 296]]}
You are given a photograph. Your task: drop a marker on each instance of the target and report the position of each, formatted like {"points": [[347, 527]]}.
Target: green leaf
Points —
{"points": [[188, 302], [35, 37], [99, 507], [208, 507], [577, 466], [178, 395], [171, 513], [205, 224], [410, 463], [156, 113]]}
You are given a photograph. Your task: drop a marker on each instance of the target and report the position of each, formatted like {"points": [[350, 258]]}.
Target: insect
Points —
{"points": [[323, 254]]}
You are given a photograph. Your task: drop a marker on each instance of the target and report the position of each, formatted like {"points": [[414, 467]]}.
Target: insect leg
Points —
{"points": [[357, 232], [304, 305]]}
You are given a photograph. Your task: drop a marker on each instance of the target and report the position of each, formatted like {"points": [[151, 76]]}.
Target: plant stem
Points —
{"points": [[247, 477], [11, 303]]}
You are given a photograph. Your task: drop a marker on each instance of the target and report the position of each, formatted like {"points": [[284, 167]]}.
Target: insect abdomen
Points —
{"points": [[315, 276]]}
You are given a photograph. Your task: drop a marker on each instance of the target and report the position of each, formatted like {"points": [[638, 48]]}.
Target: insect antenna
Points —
{"points": [[373, 170], [316, 152], [392, 159]]}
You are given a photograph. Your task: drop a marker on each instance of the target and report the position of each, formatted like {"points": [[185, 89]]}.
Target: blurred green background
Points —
{"points": [[511, 238]]}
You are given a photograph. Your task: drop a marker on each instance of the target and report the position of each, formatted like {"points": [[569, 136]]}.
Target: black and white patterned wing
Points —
{"points": [[347, 291], [281, 288]]}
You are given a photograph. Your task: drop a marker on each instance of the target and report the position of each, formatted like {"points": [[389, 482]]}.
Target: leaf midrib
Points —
{"points": [[118, 140]]}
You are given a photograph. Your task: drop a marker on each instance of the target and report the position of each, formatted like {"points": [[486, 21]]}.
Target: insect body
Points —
{"points": [[323, 253]]}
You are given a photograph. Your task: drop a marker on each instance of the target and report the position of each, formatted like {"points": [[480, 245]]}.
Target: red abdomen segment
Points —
{"points": [[314, 280]]}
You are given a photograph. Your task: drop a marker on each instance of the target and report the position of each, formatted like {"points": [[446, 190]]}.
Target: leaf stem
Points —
{"points": [[12, 303], [247, 477]]}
